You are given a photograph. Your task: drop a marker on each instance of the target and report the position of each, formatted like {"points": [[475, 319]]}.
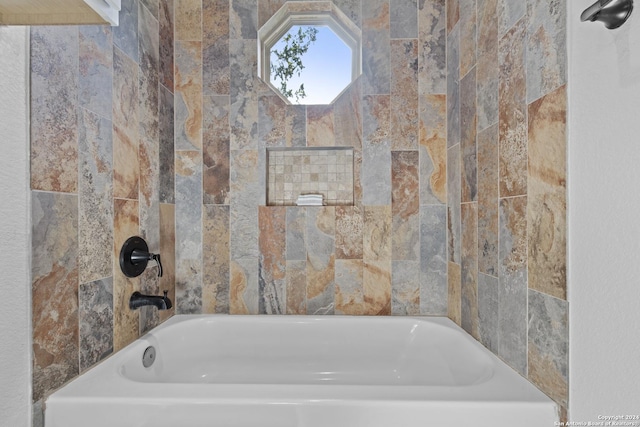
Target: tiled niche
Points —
{"points": [[292, 172]]}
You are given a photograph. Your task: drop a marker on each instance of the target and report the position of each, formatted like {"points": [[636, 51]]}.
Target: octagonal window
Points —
{"points": [[309, 52]]}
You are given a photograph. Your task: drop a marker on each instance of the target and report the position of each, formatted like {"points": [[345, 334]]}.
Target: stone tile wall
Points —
{"points": [[386, 254], [102, 170], [507, 109]]}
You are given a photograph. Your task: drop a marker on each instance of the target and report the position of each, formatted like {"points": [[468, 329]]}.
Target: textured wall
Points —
{"points": [[603, 230], [101, 171], [506, 109], [384, 255], [15, 372]]}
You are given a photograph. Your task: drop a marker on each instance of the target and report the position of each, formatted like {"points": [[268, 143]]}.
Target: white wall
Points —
{"points": [[15, 241], [604, 216]]}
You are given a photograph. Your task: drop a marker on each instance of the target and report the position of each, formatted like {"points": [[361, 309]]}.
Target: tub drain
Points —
{"points": [[149, 356]]}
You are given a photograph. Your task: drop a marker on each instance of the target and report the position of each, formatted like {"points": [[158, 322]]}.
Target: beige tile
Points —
{"points": [[188, 19], [215, 240], [469, 269], [377, 233], [433, 149], [376, 279], [453, 14], [405, 201], [215, 150], [243, 284], [513, 112], [349, 229], [188, 95], [320, 130], [349, 287], [404, 94], [54, 132], [54, 290], [468, 37], [167, 252], [454, 279], [215, 47], [126, 321], [296, 281], [548, 345], [320, 234], [546, 210], [272, 240], [488, 200], [126, 166]]}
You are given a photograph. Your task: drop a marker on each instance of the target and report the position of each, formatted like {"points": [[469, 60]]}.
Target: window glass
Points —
{"points": [[310, 64]]}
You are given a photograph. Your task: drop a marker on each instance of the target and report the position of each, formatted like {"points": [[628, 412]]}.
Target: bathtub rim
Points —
{"points": [[520, 390]]}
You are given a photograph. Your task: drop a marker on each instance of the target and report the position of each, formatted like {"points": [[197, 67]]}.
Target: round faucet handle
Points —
{"points": [[135, 255]]}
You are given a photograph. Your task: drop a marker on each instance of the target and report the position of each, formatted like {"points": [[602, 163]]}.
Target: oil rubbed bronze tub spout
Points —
{"points": [[139, 300]]}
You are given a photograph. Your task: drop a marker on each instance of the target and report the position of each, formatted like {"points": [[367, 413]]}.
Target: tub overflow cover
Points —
{"points": [[149, 356]]}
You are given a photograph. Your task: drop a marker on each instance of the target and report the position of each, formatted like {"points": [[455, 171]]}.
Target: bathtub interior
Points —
{"points": [[310, 351], [283, 371]]}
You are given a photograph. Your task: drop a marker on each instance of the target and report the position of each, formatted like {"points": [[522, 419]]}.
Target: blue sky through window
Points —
{"points": [[327, 67]]}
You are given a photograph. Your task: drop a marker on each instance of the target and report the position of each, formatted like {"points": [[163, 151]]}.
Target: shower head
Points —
{"points": [[612, 13]]}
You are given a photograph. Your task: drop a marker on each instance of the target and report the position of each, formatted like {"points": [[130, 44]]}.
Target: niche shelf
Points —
{"points": [[292, 172]]}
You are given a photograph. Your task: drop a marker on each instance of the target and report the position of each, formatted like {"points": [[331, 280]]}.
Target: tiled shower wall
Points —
{"points": [[106, 158], [102, 163], [385, 254], [506, 166]]}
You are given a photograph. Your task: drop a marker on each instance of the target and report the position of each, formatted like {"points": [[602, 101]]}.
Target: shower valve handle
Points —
{"points": [[138, 257], [135, 255]]}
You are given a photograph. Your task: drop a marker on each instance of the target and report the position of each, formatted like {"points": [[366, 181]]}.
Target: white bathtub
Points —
{"points": [[298, 371]]}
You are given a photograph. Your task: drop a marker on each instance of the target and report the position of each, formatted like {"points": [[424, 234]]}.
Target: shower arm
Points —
{"points": [[592, 11], [612, 13]]}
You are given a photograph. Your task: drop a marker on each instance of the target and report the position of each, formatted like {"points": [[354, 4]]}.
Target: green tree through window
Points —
{"points": [[287, 59]]}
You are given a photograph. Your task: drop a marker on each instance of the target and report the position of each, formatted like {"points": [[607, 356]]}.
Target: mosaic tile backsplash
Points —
{"points": [[294, 172]]}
